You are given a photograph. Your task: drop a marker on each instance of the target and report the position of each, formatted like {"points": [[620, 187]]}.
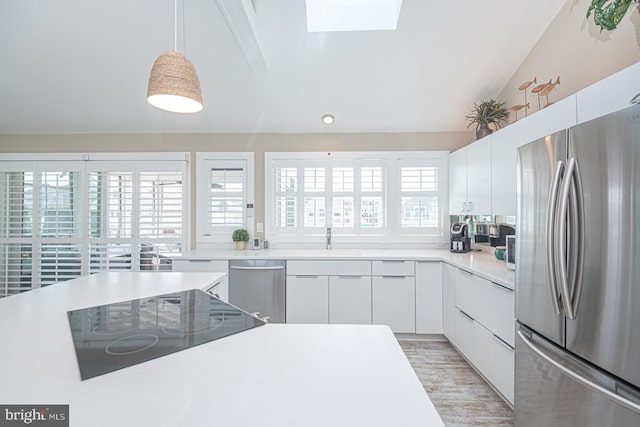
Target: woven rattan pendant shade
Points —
{"points": [[174, 84]]}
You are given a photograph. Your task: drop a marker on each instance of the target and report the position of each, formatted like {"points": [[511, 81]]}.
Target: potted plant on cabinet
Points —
{"points": [[241, 237], [487, 113]]}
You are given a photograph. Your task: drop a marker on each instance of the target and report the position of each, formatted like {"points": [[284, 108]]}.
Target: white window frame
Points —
{"points": [[391, 234], [205, 236]]}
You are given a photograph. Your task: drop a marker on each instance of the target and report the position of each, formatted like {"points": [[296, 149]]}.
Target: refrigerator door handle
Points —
{"points": [[551, 235], [561, 254], [578, 228], [571, 201], [615, 397]]}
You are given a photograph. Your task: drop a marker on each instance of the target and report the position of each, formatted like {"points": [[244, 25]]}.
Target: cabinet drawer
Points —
{"points": [[491, 356], [214, 265], [393, 268], [328, 268], [488, 303]]}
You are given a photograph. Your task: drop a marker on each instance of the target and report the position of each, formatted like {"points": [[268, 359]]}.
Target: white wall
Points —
{"points": [[575, 49]]}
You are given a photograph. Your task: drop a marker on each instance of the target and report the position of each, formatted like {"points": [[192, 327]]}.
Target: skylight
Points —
{"points": [[352, 15]]}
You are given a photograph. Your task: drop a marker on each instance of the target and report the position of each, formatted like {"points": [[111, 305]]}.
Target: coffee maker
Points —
{"points": [[460, 241]]}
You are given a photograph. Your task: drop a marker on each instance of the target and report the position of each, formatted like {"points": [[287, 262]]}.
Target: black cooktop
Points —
{"points": [[115, 336]]}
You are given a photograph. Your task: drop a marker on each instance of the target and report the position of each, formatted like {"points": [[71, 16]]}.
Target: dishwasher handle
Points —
{"points": [[275, 267]]}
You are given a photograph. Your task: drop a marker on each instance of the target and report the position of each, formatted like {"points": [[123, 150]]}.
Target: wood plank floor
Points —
{"points": [[460, 395]]}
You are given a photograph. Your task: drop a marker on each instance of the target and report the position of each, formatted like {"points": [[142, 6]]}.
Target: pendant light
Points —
{"points": [[173, 82]]}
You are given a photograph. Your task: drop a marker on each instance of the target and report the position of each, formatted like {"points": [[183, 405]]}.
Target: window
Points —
{"points": [[224, 188], [62, 219], [136, 214], [227, 198], [363, 197], [419, 202]]}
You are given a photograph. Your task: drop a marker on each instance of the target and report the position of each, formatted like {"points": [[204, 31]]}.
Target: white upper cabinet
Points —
{"points": [[470, 179], [479, 176], [482, 175], [556, 117], [504, 150], [458, 182], [609, 95]]}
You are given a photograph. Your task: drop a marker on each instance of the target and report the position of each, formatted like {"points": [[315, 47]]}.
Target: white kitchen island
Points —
{"points": [[273, 375]]}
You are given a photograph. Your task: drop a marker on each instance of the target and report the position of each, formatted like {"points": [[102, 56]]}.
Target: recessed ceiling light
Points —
{"points": [[328, 119], [352, 15]]}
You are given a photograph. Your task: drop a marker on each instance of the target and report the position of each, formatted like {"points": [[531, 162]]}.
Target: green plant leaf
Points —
{"points": [[607, 14], [486, 113], [240, 235]]}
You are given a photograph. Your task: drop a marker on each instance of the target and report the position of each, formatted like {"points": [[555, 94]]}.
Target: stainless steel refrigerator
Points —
{"points": [[578, 276]]}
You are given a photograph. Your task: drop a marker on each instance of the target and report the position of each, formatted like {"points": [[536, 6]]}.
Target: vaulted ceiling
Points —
{"points": [[78, 66]]}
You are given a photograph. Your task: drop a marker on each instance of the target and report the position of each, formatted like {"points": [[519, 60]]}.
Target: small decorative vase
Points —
{"points": [[240, 245], [483, 131], [499, 252]]}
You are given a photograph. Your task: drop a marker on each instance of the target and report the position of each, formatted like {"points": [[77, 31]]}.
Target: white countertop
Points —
{"points": [[482, 263], [273, 375]]}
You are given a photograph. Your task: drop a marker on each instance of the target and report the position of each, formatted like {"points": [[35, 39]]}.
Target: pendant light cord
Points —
{"points": [[175, 25]]}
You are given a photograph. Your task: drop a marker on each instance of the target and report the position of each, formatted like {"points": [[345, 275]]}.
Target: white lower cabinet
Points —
{"points": [[329, 291], [490, 303], [489, 354], [428, 297], [394, 302], [448, 302], [405, 295], [484, 328], [350, 299], [307, 299]]}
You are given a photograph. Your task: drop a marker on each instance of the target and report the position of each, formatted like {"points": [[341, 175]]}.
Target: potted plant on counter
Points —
{"points": [[487, 113], [241, 237]]}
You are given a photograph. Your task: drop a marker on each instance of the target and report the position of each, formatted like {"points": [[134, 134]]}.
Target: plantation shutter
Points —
{"points": [[16, 222], [226, 196], [419, 196], [58, 204], [63, 219], [161, 215], [110, 216]]}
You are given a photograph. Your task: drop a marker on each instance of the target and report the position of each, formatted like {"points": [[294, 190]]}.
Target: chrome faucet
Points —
{"points": [[328, 237]]}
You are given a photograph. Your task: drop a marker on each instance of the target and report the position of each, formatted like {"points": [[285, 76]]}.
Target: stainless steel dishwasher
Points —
{"points": [[258, 286]]}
